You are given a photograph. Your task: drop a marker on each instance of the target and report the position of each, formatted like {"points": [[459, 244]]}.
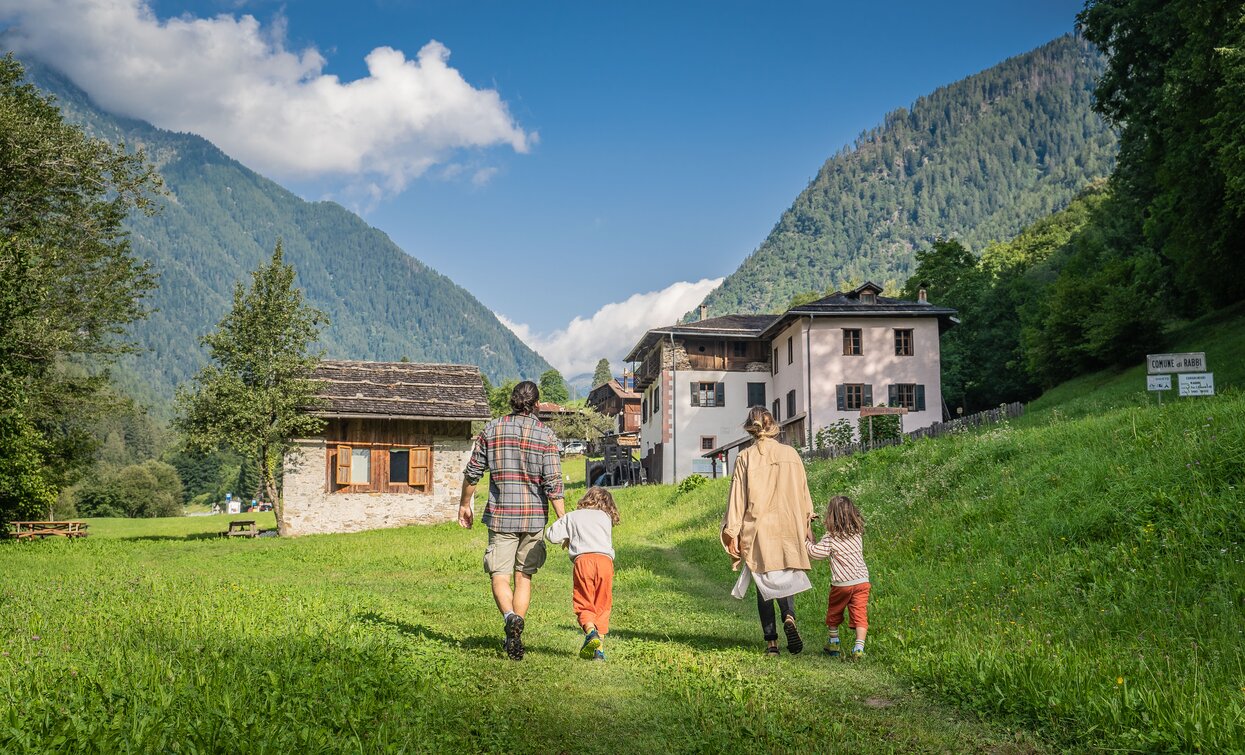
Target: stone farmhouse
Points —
{"points": [[811, 366], [396, 441]]}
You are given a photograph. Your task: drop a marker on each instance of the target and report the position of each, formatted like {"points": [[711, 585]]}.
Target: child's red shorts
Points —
{"points": [[853, 598]]}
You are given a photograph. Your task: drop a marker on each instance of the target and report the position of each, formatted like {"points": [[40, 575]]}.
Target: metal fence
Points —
{"points": [[936, 430]]}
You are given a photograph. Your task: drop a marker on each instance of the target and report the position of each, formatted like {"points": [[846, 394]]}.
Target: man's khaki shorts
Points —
{"points": [[509, 552]]}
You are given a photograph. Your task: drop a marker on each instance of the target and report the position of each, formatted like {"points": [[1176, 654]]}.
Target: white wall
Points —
{"points": [[690, 423], [877, 365]]}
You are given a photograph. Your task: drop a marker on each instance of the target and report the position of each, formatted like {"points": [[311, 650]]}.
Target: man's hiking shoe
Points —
{"points": [[832, 649], [591, 647], [856, 655], [794, 643], [514, 637], [599, 656]]}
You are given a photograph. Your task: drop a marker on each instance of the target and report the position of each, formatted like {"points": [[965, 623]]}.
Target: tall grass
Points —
{"points": [[1085, 575]]}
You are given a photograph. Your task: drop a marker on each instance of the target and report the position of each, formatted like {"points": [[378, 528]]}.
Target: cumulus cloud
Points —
{"points": [[614, 328], [232, 80]]}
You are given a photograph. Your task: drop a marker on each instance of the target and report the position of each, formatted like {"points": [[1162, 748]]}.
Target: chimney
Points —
{"points": [[920, 296], [704, 312]]}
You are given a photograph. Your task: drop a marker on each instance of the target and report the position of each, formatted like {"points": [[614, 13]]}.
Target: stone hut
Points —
{"points": [[396, 440]]}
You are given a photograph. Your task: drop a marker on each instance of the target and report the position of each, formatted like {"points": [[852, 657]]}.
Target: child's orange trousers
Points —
{"points": [[592, 590], [855, 599]]}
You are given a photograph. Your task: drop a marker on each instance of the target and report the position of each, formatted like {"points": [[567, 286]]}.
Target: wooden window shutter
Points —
{"points": [[695, 394], [719, 394], [842, 397], [343, 464], [421, 467], [868, 398], [892, 397], [920, 398]]}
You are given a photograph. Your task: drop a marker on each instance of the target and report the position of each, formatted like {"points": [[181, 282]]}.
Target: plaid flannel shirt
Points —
{"points": [[525, 473]]}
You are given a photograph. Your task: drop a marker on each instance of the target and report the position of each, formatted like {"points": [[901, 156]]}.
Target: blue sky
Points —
{"points": [[647, 144]]}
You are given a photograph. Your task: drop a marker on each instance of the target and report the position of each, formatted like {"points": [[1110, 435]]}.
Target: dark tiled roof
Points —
{"points": [[726, 326], [401, 389]]}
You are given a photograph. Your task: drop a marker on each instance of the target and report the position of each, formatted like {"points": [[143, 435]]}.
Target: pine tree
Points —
{"points": [[602, 374]]}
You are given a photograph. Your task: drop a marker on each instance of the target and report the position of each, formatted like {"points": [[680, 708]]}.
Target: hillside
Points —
{"points": [[221, 220], [976, 160]]}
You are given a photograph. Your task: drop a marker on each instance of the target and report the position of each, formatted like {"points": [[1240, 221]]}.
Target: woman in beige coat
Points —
{"points": [[765, 523]]}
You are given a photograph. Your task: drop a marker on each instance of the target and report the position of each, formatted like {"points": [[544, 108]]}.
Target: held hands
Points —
{"points": [[465, 516]]}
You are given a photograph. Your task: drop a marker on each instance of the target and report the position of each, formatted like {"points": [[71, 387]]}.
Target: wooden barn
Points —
{"points": [[396, 440]]}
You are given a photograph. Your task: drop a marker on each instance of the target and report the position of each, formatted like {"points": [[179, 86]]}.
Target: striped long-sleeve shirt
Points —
{"points": [[847, 562], [520, 453]]}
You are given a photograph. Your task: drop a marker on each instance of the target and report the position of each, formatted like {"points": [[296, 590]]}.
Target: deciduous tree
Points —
{"points": [[69, 286], [254, 398]]}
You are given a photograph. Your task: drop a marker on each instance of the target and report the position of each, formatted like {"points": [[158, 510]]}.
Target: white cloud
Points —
{"points": [[232, 80], [614, 328]]}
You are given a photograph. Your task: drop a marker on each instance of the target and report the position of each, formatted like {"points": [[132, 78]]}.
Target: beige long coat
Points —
{"points": [[769, 509]]}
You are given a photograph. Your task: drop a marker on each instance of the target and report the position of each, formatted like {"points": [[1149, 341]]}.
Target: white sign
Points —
{"points": [[1193, 361], [1158, 382], [1197, 384], [234, 507]]}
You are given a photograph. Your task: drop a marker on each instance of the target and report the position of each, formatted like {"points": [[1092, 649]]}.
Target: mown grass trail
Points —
{"points": [[387, 641]]}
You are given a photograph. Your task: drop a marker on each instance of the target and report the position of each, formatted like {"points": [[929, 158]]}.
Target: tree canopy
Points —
{"points": [[255, 396], [69, 287]]}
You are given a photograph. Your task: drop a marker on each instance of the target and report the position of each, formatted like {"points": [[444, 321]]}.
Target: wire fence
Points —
{"points": [[994, 416]]}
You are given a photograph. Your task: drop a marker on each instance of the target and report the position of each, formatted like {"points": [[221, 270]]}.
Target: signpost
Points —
{"points": [[881, 411], [1190, 368], [1192, 361], [1197, 384]]}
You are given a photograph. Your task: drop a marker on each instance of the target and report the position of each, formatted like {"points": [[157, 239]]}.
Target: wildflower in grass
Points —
{"points": [[1119, 680]]}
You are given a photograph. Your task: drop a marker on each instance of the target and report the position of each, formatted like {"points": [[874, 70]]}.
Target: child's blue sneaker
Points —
{"points": [[832, 649], [591, 646], [599, 656]]}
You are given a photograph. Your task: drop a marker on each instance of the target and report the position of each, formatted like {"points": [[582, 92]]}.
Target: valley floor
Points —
{"points": [[158, 639]]}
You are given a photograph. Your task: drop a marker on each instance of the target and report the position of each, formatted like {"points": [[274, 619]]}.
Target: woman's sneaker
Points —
{"points": [[514, 637], [591, 646]]}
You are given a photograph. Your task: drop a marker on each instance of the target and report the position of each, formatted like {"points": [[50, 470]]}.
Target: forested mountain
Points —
{"points": [[221, 220], [977, 160]]}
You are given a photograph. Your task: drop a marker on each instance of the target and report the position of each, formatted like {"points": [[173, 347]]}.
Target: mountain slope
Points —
{"points": [[977, 160], [221, 220]]}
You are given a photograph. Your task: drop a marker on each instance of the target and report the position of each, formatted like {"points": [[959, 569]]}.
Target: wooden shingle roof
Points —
{"points": [[401, 390]]}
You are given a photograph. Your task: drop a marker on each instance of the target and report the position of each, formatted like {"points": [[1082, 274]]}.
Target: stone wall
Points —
{"points": [[310, 507]]}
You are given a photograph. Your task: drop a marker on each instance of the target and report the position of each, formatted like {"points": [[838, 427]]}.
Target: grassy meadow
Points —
{"points": [[387, 641], [1072, 581]]}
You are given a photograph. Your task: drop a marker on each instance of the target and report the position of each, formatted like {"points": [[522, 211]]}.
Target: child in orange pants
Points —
{"points": [[588, 534], [849, 576]]}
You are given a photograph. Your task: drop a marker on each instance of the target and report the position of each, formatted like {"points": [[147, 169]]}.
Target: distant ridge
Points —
{"points": [[222, 219], [977, 160]]}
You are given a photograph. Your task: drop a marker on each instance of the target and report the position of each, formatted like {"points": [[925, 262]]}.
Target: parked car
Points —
{"points": [[574, 447]]}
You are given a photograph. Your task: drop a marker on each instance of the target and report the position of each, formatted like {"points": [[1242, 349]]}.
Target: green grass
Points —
{"points": [[1083, 576], [1220, 335], [148, 637]]}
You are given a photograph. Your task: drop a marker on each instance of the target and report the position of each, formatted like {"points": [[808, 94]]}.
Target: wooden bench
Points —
{"points": [[31, 530], [242, 528]]}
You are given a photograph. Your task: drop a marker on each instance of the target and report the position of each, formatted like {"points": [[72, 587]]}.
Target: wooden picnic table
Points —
{"points": [[242, 528], [32, 530]]}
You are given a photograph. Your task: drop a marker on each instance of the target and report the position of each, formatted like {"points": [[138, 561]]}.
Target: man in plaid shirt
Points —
{"points": [[525, 476]]}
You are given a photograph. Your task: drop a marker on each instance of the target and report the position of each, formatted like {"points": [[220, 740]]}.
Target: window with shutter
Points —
{"points": [[790, 350], [756, 394], [920, 398], [719, 395], [343, 465], [399, 465], [695, 394], [790, 404], [421, 468], [841, 391], [855, 395]]}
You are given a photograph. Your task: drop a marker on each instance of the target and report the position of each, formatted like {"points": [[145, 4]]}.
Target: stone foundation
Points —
{"points": [[310, 507]]}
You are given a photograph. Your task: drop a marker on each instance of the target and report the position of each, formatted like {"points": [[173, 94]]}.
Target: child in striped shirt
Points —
{"points": [[849, 576]]}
